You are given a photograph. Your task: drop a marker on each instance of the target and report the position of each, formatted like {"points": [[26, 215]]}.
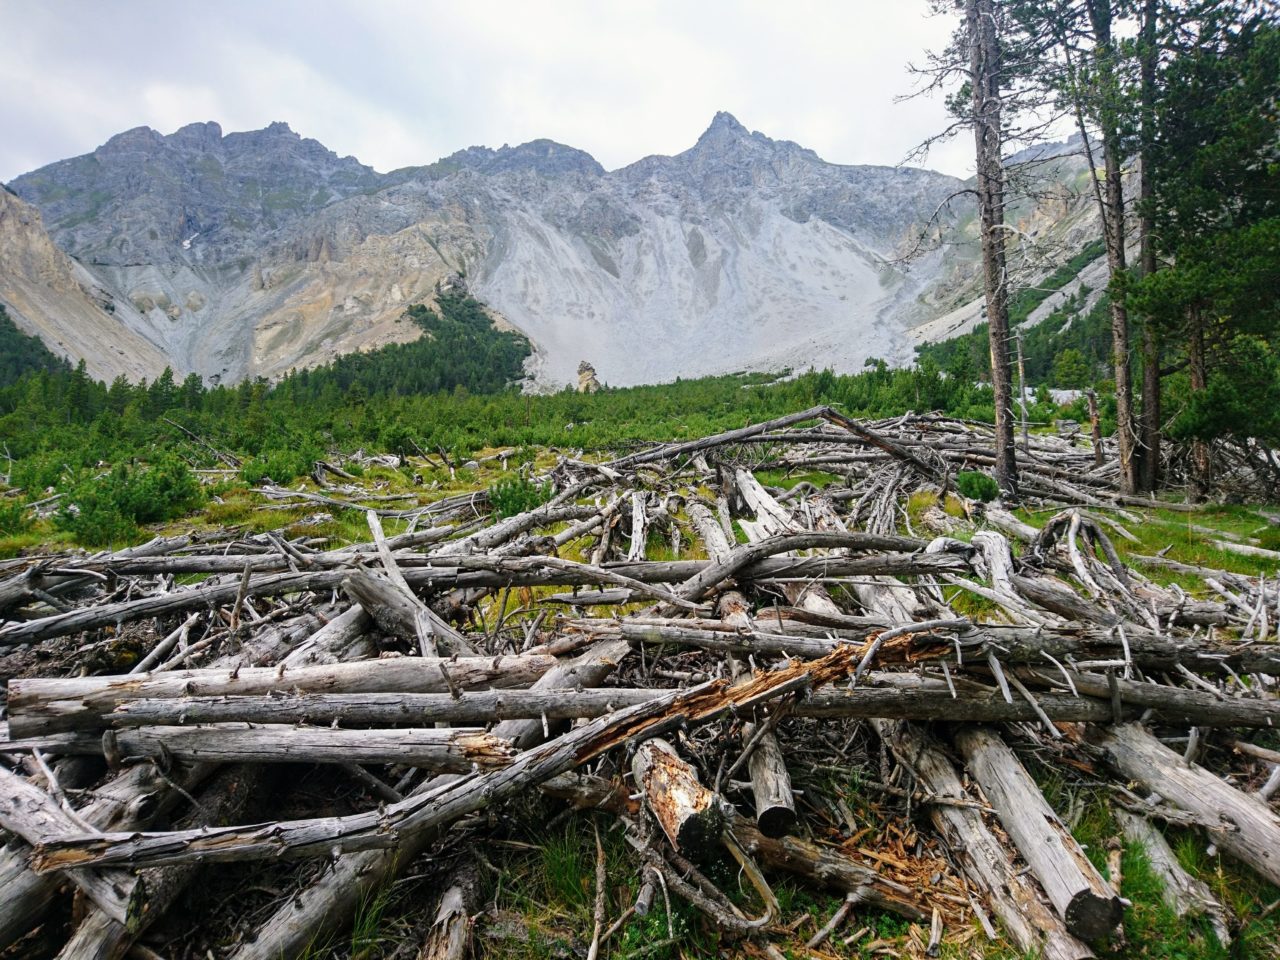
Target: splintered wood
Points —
{"points": [[786, 676]]}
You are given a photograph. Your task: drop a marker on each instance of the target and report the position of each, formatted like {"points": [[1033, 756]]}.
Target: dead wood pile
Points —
{"points": [[785, 632]]}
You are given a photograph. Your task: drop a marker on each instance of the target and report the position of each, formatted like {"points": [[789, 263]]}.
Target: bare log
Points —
{"points": [[380, 829], [458, 750], [33, 815], [1185, 895], [39, 706], [1073, 885], [770, 782], [1249, 831]]}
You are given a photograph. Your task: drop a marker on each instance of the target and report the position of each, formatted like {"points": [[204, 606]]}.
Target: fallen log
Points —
{"points": [[40, 706], [1185, 895], [884, 695], [770, 782], [458, 750], [30, 813], [1080, 895], [1249, 830], [688, 813], [1032, 925], [337, 893], [98, 937]]}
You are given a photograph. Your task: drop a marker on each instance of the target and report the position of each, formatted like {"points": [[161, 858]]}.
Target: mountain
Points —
{"points": [[250, 254]]}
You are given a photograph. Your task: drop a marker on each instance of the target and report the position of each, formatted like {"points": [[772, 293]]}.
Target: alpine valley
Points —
{"points": [[251, 254]]}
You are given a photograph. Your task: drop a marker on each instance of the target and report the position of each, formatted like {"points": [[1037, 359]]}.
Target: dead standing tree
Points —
{"points": [[985, 79]]}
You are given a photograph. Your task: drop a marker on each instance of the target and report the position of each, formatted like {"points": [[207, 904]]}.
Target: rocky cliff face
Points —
{"points": [[53, 297], [249, 254]]}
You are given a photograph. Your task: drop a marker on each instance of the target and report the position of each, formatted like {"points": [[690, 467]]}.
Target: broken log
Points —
{"points": [[688, 812]]}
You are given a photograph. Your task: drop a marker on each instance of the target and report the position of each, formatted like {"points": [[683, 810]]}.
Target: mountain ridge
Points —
{"points": [[253, 253]]}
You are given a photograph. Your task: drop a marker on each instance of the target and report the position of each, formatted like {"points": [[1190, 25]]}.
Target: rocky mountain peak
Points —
{"points": [[544, 157]]}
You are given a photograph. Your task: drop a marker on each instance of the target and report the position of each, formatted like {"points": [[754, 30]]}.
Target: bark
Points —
{"points": [[450, 934], [1078, 892], [1149, 475], [1113, 221], [1197, 367], [1249, 830]]}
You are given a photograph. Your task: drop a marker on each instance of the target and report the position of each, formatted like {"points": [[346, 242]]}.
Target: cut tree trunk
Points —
{"points": [[770, 784]]}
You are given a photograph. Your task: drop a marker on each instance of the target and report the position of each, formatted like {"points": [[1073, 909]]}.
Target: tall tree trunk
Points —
{"points": [[1112, 199], [984, 62], [1201, 464], [1149, 476]]}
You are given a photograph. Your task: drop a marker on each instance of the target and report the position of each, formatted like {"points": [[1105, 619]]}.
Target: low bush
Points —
{"points": [[977, 486]]}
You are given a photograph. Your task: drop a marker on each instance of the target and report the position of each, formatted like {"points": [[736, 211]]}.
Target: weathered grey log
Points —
{"points": [[1185, 895], [21, 587], [39, 706], [139, 794], [1029, 921], [1079, 894], [400, 613], [770, 783], [30, 813], [891, 696], [458, 751], [382, 829], [688, 813], [473, 572], [1249, 831]]}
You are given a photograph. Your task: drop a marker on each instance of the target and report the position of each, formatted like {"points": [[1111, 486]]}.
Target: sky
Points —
{"points": [[404, 82]]}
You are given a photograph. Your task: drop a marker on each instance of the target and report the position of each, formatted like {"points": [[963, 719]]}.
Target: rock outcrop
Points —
{"points": [[587, 382]]}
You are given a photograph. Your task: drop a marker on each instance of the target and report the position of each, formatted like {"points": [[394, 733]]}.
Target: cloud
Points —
{"points": [[402, 82]]}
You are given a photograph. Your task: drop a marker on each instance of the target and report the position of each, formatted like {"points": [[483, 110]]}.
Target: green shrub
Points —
{"points": [[977, 486], [100, 511], [514, 494], [279, 466], [14, 519]]}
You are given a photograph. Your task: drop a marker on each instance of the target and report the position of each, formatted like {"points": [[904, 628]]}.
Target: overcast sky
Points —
{"points": [[401, 82]]}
